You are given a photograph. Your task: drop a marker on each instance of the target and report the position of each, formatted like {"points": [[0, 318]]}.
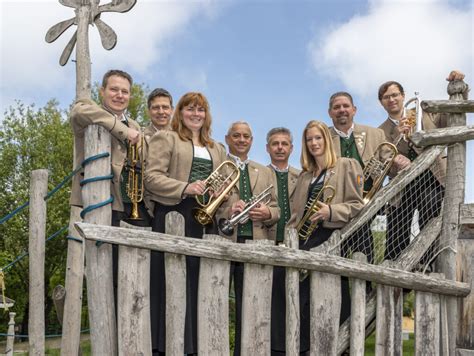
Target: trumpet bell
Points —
{"points": [[202, 216], [226, 227]]}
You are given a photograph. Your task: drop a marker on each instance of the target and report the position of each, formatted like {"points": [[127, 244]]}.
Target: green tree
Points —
{"points": [[32, 139]]}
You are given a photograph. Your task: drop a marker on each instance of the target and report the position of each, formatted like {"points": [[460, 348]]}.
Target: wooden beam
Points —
{"points": [[443, 136], [449, 106], [466, 214], [272, 255]]}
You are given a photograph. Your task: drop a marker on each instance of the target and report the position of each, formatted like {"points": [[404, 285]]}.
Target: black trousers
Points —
{"points": [[424, 194]]}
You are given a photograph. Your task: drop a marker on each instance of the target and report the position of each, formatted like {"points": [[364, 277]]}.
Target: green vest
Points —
{"points": [[245, 230], [349, 150], [201, 168], [284, 203]]}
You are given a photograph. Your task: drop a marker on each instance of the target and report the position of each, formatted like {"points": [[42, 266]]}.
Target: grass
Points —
{"points": [[408, 346]]}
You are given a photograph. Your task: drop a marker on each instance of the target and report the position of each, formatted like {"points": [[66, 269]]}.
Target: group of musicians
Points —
{"points": [[179, 154]]}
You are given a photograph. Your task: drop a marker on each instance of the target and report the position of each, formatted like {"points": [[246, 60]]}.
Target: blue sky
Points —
{"points": [[271, 63]]}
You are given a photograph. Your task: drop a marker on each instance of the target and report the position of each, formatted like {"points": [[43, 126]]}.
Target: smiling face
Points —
{"points": [[279, 148], [392, 101], [160, 112], [342, 113], [194, 116], [315, 142], [239, 139], [116, 94]]}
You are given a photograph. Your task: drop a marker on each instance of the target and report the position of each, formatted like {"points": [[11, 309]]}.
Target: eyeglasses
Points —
{"points": [[160, 107], [391, 96]]}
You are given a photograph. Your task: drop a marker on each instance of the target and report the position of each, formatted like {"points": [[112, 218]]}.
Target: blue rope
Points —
{"points": [[24, 254], [96, 179], [69, 237], [47, 336], [62, 183], [89, 208]]}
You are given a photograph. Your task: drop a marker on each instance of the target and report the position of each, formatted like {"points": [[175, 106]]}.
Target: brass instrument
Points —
{"points": [[135, 167], [413, 117], [227, 225], [377, 168], [221, 181], [305, 227]]}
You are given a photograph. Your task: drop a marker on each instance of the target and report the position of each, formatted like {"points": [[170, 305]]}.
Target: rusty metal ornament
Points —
{"points": [[108, 37]]}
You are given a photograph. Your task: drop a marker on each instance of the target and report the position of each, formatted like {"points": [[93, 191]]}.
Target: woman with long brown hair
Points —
{"points": [[178, 163]]}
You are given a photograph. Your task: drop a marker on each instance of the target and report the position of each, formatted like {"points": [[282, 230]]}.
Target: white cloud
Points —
{"points": [[29, 66], [414, 42]]}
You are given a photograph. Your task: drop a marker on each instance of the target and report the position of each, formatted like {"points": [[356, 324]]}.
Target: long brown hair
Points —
{"points": [[184, 133], [308, 163]]}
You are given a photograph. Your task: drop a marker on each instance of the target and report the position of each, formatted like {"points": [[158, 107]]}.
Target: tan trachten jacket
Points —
{"points": [[86, 112], [366, 138], [346, 178], [261, 178], [169, 166], [392, 134]]}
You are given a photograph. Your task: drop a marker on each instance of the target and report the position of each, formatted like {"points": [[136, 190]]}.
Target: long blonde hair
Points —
{"points": [[308, 163], [184, 133]]}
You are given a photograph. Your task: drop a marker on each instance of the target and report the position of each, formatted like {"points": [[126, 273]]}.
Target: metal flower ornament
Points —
{"points": [[108, 36]]}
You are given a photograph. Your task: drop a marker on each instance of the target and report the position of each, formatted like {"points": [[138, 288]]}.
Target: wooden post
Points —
{"points": [[175, 275], [325, 307], [385, 329], [133, 299], [454, 197], [292, 285], [99, 257], [398, 321], [213, 304], [256, 306], [358, 301], [59, 294], [37, 229], [427, 323], [71, 331], [11, 335]]}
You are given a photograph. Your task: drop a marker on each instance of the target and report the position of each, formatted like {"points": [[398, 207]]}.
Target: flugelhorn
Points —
{"points": [[306, 227], [135, 167], [227, 225], [219, 183], [412, 116], [377, 168]]}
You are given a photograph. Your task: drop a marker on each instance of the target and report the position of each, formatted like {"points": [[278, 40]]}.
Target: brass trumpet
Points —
{"points": [[221, 181], [227, 225], [377, 169], [305, 227], [135, 166], [413, 117]]}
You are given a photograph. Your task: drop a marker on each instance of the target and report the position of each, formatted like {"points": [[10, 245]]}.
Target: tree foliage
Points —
{"points": [[32, 139]]}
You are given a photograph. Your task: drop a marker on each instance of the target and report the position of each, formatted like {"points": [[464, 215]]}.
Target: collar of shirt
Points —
{"points": [[343, 134], [241, 164], [278, 169], [394, 121]]}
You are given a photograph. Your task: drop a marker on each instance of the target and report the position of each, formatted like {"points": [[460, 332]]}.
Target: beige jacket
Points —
{"points": [[392, 134], [86, 112], [261, 177], [169, 166], [366, 138], [346, 178]]}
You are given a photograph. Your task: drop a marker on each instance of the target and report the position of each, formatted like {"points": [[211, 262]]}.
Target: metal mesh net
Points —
{"points": [[391, 230]]}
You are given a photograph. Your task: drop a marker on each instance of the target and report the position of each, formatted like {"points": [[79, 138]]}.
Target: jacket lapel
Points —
{"points": [[360, 138], [253, 175]]}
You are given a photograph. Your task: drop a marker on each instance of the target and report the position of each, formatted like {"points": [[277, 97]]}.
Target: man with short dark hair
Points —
{"points": [[111, 114]]}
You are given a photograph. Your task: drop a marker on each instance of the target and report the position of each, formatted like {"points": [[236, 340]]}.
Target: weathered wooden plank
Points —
{"points": [[385, 323], [71, 331], [292, 285], [273, 255], [466, 214], [449, 106], [464, 352], [454, 197], [133, 299], [465, 273], [175, 275], [325, 308], [443, 136], [358, 300], [256, 306], [213, 302], [36, 247], [9, 349], [421, 164], [100, 296], [427, 324], [58, 296]]}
